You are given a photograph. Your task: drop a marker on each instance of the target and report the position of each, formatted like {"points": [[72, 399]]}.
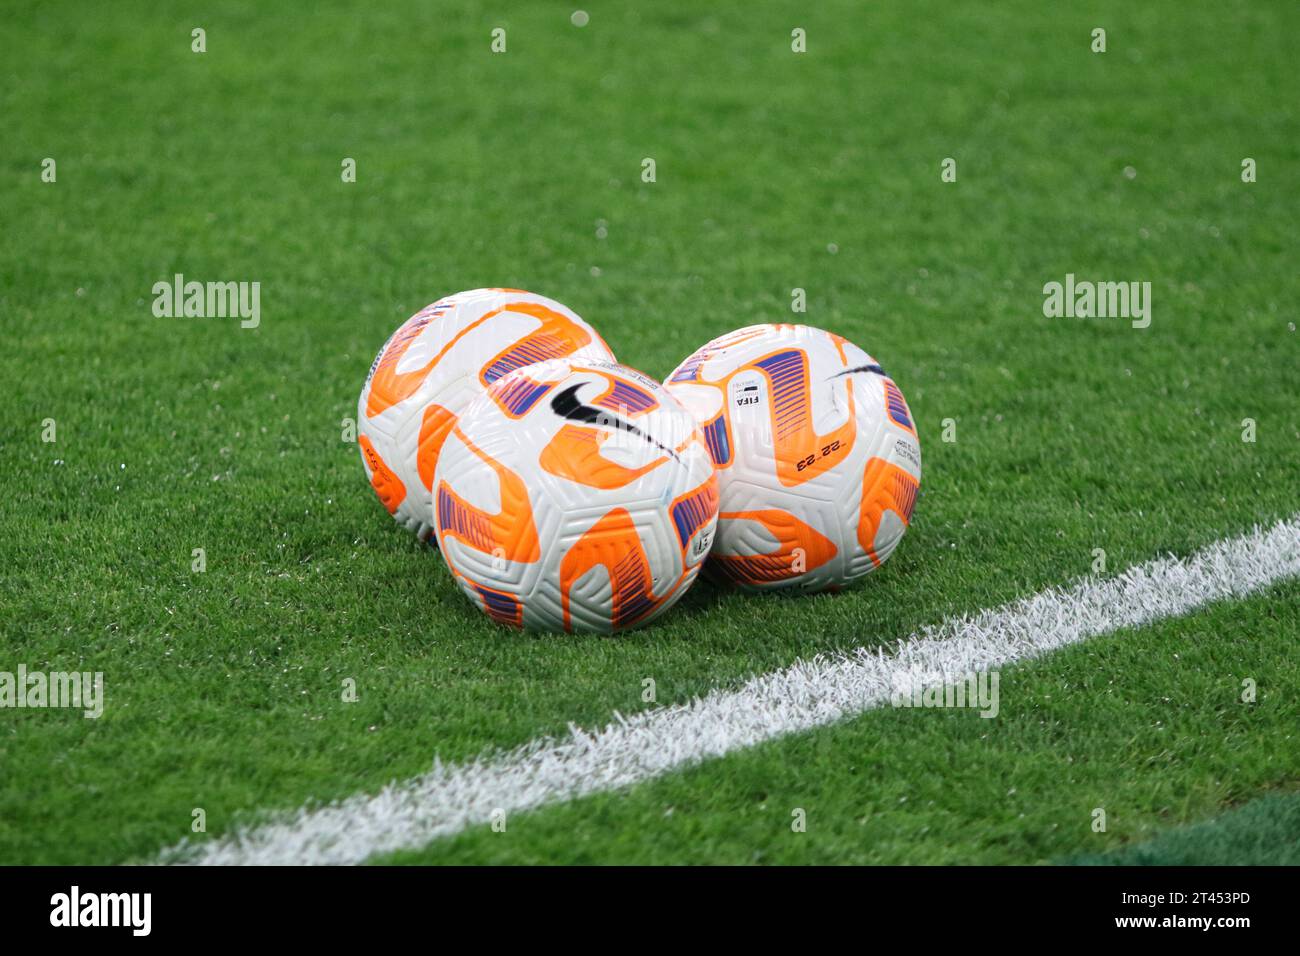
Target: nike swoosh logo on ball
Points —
{"points": [[862, 368], [566, 405]]}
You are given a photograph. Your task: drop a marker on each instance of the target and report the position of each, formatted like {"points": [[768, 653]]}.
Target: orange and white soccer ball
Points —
{"points": [[434, 366], [818, 459], [575, 495]]}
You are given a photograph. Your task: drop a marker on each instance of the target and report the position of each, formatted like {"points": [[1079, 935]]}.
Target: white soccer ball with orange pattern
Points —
{"points": [[434, 365], [818, 459], [575, 495]]}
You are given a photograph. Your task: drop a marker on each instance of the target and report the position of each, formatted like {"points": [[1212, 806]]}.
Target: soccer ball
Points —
{"points": [[818, 459], [430, 370], [575, 495]]}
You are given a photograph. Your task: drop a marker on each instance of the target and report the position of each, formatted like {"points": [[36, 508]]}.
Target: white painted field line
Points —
{"points": [[808, 694]]}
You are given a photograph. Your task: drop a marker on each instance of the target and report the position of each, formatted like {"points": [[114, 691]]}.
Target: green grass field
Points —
{"points": [[775, 171]]}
